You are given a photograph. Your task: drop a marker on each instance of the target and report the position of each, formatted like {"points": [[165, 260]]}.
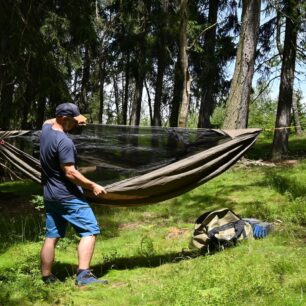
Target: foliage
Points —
{"points": [[218, 116], [262, 109], [38, 202], [94, 53]]}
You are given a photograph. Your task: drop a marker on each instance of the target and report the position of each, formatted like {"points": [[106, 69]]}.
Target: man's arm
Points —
{"points": [[87, 169], [78, 178]]}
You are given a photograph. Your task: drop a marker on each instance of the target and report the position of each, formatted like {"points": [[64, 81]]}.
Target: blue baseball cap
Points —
{"points": [[70, 110]]}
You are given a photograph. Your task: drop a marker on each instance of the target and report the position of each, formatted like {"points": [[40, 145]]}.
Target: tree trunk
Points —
{"points": [[117, 98], [180, 102], [83, 104], [184, 65], [210, 70], [161, 63], [159, 88], [149, 103], [136, 105], [175, 104], [26, 106], [236, 115], [102, 75], [126, 91], [281, 133], [185, 102], [6, 104], [40, 115], [296, 115]]}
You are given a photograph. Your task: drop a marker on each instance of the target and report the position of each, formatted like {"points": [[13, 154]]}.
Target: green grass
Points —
{"points": [[144, 254], [263, 147]]}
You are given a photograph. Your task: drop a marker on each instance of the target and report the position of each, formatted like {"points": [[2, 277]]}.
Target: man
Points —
{"points": [[63, 194]]}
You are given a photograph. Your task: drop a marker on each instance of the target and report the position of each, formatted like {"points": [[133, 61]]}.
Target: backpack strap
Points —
{"points": [[239, 229], [237, 225]]}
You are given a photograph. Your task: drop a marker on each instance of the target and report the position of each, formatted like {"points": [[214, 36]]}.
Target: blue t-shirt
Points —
{"points": [[57, 148]]}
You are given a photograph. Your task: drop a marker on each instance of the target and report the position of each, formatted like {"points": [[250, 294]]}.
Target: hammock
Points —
{"points": [[169, 177]]}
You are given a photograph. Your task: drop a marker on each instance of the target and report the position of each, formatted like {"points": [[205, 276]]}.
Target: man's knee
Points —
{"points": [[51, 241]]}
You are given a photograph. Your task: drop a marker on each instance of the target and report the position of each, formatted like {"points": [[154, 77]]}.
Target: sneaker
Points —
{"points": [[50, 279], [85, 277]]}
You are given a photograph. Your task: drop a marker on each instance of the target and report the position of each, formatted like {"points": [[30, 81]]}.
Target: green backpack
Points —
{"points": [[216, 230]]}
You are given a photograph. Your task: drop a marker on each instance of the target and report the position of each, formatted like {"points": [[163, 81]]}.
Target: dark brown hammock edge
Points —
{"points": [[156, 186]]}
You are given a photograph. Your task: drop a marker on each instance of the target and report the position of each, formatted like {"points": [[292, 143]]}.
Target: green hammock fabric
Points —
{"points": [[157, 185]]}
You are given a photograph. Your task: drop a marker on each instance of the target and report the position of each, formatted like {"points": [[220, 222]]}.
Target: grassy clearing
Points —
{"points": [[144, 254]]}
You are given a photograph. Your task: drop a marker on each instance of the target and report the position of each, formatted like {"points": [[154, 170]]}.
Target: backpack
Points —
{"points": [[216, 230]]}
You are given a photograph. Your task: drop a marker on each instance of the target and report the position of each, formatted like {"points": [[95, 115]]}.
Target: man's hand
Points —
{"points": [[98, 189]]}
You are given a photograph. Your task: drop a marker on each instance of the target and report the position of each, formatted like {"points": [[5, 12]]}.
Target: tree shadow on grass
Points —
{"points": [[190, 206], [286, 184], [64, 270], [261, 150]]}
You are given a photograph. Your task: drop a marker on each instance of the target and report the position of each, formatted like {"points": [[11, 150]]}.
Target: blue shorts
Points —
{"points": [[77, 212]]}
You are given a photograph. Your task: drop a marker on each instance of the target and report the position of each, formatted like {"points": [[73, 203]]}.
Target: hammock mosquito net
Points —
{"points": [[138, 165]]}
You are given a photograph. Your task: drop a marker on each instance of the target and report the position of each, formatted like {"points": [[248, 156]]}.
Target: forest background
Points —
{"points": [[156, 63]]}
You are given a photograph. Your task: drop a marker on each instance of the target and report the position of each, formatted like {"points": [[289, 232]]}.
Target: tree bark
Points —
{"points": [[25, 109], [117, 98], [136, 104], [161, 63], [149, 103], [296, 115], [6, 104], [159, 89], [83, 104], [175, 104], [281, 133], [184, 65], [102, 75], [126, 90], [209, 73], [40, 115], [236, 115], [180, 102]]}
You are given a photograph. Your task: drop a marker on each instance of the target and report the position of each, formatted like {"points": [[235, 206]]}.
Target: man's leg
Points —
{"points": [[47, 255], [85, 251], [55, 228], [82, 218]]}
